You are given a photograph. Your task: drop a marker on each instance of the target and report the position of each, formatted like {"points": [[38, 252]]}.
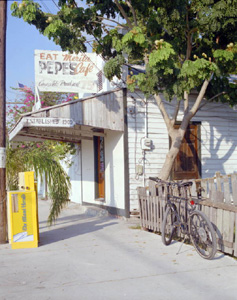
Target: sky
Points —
{"points": [[22, 40]]}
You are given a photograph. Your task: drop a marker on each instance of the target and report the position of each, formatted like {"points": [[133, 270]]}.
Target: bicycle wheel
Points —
{"points": [[168, 226], [202, 235]]}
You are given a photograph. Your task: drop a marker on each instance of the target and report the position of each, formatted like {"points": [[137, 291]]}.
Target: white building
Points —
{"points": [[121, 140]]}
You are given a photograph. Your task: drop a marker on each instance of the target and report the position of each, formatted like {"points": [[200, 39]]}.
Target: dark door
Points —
{"points": [[187, 163], [99, 167]]}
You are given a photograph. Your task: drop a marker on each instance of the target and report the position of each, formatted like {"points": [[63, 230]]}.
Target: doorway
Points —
{"points": [[187, 164], [99, 155]]}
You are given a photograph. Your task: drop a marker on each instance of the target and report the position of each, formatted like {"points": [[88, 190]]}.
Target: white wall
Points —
{"points": [[88, 177], [114, 170], [151, 160], [218, 140], [74, 172]]}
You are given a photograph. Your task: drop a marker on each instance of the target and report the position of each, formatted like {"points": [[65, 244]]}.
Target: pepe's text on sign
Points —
{"points": [[70, 65]]}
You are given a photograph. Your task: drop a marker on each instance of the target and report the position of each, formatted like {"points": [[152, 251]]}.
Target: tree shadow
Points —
{"points": [[64, 220], [213, 147]]}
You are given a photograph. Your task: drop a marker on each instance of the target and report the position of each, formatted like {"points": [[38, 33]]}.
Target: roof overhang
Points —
{"points": [[73, 121]]}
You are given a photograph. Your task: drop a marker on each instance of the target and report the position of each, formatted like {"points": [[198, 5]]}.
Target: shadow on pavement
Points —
{"points": [[64, 220], [66, 232]]}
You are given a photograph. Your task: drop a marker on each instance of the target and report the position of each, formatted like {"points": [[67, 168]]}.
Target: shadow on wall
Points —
{"points": [[216, 145]]}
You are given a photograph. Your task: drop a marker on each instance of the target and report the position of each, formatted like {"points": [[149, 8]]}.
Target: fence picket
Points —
{"points": [[213, 217], [235, 236], [153, 214], [219, 231], [226, 186], [194, 189], [218, 181], [234, 188], [212, 189], [152, 187], [227, 236], [204, 188], [156, 214]]}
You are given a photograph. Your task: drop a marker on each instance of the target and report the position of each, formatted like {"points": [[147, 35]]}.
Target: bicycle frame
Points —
{"points": [[189, 204], [191, 222]]}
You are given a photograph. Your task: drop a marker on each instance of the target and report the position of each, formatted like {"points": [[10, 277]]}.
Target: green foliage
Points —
{"points": [[195, 72], [113, 67], [181, 42], [42, 157], [225, 59], [135, 35], [160, 55]]}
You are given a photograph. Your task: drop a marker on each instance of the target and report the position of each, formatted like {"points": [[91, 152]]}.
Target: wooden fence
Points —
{"points": [[217, 199]]}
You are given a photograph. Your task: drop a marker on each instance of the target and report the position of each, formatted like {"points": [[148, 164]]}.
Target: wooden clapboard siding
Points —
{"points": [[218, 142], [136, 131]]}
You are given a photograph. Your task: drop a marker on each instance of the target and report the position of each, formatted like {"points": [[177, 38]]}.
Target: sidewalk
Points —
{"points": [[103, 258]]}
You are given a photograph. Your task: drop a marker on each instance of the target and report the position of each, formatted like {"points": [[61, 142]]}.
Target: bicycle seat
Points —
{"points": [[156, 179]]}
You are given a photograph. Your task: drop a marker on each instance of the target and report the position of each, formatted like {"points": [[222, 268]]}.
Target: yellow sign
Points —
{"points": [[23, 214]]}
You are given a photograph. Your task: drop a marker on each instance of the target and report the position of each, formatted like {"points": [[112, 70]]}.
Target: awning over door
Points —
{"points": [[73, 121]]}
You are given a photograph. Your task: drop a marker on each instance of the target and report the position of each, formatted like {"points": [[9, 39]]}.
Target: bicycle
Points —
{"points": [[193, 223]]}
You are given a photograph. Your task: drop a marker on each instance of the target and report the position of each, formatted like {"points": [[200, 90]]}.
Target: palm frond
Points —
{"points": [[42, 161]]}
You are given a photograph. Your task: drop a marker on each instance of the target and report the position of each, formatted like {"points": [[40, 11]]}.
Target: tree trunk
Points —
{"points": [[3, 215], [176, 136]]}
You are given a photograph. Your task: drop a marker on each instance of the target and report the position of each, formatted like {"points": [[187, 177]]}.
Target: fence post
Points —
{"points": [[234, 188]]}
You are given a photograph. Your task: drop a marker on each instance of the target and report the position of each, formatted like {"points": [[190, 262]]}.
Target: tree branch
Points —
{"points": [[163, 111], [186, 102], [133, 11], [175, 113], [196, 105], [124, 14], [189, 40], [146, 59], [188, 116]]}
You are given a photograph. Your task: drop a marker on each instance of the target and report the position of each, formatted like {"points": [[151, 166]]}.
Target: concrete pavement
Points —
{"points": [[101, 258]]}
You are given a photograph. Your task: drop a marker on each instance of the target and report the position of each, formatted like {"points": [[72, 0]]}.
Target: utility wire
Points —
{"points": [[56, 4], [45, 6]]}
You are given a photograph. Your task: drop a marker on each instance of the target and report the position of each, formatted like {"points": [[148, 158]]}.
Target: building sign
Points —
{"points": [[41, 122], [49, 122], [57, 71]]}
